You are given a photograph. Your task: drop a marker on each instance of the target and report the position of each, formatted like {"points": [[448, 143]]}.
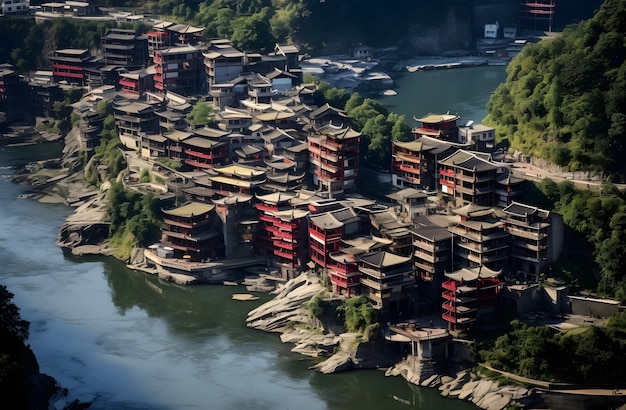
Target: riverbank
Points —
{"points": [[341, 351]]}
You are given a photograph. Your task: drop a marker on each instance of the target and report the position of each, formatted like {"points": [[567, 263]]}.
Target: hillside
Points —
{"points": [[564, 99]]}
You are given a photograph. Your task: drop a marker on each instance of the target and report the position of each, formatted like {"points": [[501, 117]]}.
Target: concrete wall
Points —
{"points": [[585, 306]]}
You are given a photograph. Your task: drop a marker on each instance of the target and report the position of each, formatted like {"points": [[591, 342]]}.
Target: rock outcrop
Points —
{"points": [[285, 314], [484, 393]]}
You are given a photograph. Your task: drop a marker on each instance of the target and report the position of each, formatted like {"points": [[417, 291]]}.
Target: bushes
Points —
{"points": [[585, 355]]}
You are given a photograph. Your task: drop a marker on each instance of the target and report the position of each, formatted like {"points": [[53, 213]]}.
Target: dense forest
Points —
{"points": [[564, 99]]}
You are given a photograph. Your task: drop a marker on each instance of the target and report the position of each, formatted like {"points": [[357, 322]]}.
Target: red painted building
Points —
{"points": [[468, 293], [439, 126], [68, 65], [334, 158], [282, 231]]}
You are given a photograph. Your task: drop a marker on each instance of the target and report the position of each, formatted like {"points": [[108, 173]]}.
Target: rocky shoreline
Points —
{"points": [[342, 351]]}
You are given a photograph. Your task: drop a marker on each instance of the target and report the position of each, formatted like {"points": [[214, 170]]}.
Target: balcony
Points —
{"points": [[447, 173], [266, 207], [536, 235], [409, 169]]}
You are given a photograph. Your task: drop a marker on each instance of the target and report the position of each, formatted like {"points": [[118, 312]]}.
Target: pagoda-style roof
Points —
{"points": [[291, 214], [298, 147], [201, 142], [415, 145], [471, 274], [248, 150], [209, 132], [280, 165], [523, 210], [279, 74], [133, 107], [275, 197], [384, 259], [232, 199], [176, 50], [275, 115], [367, 243], [437, 118], [424, 227], [190, 209], [338, 132], [387, 220], [285, 178], [470, 161], [473, 211], [239, 170], [327, 109], [345, 215], [185, 29], [507, 178], [437, 146], [326, 221], [178, 135]]}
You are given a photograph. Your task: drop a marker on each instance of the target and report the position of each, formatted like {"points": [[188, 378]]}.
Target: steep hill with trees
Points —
{"points": [[564, 98]]}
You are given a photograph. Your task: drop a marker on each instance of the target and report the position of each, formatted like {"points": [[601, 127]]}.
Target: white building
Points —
{"points": [[14, 6]]}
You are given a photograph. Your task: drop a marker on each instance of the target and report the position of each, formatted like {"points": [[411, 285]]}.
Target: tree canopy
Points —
{"points": [[564, 98]]}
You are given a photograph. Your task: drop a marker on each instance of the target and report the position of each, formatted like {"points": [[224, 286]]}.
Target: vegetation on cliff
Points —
{"points": [[564, 98], [594, 254], [356, 314], [592, 355]]}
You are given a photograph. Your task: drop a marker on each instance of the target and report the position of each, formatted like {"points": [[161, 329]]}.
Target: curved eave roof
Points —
{"points": [[470, 274], [190, 209]]}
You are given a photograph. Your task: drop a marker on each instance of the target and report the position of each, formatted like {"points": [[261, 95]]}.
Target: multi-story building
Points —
{"points": [[189, 231], [343, 265], [283, 231], [468, 294], [481, 137], [326, 230], [344, 273], [387, 281], [122, 47], [432, 247], [236, 179], [8, 7], [222, 62], [530, 233], [134, 119], [410, 203], [439, 126], [68, 65], [334, 158], [136, 82], [480, 238], [390, 226], [415, 164], [179, 69], [207, 148], [470, 177]]}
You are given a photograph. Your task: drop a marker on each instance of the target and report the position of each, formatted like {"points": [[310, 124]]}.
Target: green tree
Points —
{"points": [[201, 113], [254, 33]]}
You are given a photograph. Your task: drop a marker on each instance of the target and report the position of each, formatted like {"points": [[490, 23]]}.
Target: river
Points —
{"points": [[125, 340], [463, 91]]}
